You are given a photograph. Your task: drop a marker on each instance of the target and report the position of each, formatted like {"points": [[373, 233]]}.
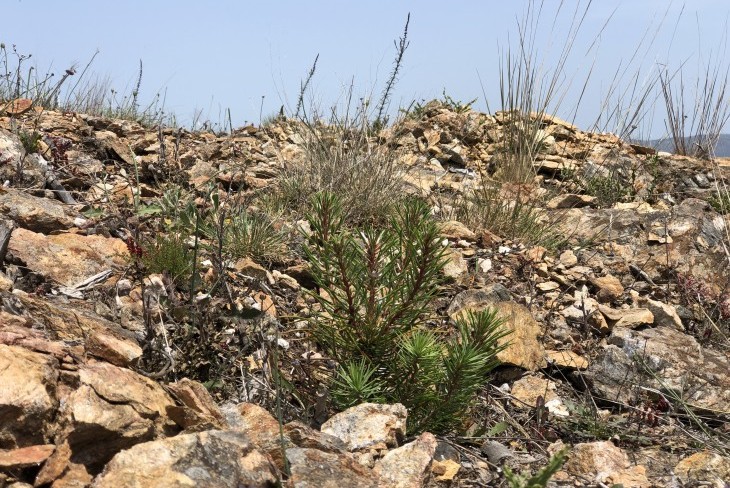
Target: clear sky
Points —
{"points": [[217, 54]]}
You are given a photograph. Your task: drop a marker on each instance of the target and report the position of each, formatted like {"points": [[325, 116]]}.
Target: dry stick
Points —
{"points": [[305, 85], [401, 45]]}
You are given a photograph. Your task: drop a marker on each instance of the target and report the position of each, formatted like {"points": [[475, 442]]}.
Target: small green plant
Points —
{"points": [[169, 254], [518, 217], [252, 235], [375, 291], [457, 105], [721, 202], [539, 480], [608, 190], [30, 141]]}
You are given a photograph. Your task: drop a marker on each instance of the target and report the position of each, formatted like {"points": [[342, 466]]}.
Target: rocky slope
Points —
{"points": [[619, 335]]}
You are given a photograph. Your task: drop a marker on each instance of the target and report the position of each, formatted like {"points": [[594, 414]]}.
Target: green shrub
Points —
{"points": [[375, 291], [721, 202], [169, 254], [608, 190], [30, 141]]}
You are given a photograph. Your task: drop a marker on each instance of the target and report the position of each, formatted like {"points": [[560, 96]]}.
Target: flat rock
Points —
{"points": [[524, 348], [34, 213], [566, 359], [67, 259], [210, 459], [17, 106], [408, 466], [311, 468], [527, 389], [704, 466], [609, 288], [626, 317], [28, 400], [603, 462], [368, 425], [453, 229], [676, 362], [665, 315], [25, 457]]}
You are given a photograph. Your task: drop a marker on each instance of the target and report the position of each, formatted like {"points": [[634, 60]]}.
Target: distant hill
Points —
{"points": [[722, 150]]}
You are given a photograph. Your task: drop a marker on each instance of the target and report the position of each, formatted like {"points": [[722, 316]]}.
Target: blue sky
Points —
{"points": [[215, 55]]}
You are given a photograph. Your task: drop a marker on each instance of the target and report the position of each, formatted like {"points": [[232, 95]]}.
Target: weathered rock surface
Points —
{"points": [[28, 400], [704, 467], [408, 466], [311, 468], [34, 213], [368, 425], [602, 462], [207, 459], [620, 312], [667, 360], [67, 259]]}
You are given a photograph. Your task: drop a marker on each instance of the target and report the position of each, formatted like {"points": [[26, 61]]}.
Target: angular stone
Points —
{"points": [[118, 350], [210, 459], [368, 425], [566, 359], [254, 421], [112, 409], [599, 462], [34, 213], [524, 348], [609, 288], [705, 467], [66, 258], [198, 411], [25, 457], [665, 315], [453, 229], [568, 258], [28, 400], [304, 436], [676, 362], [311, 468], [527, 389], [17, 106], [456, 265], [630, 317], [408, 466]]}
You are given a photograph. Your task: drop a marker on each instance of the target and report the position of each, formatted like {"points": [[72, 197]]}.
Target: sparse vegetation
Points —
{"points": [[168, 254], [340, 158], [513, 214], [539, 480], [344, 299]]}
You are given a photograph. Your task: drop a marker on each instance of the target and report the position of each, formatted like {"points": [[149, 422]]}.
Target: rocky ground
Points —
{"points": [[619, 344]]}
